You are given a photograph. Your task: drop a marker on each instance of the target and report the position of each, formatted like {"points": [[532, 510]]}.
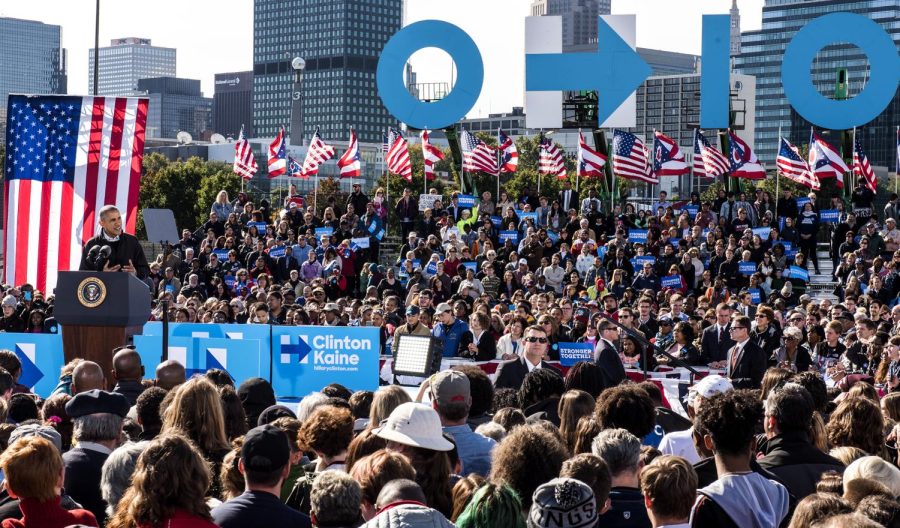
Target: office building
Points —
{"points": [[176, 105], [34, 61], [762, 52], [735, 33], [127, 60], [232, 104], [340, 41], [579, 18]]}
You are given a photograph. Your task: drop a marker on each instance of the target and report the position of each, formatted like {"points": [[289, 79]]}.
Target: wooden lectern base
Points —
{"points": [[96, 343]]}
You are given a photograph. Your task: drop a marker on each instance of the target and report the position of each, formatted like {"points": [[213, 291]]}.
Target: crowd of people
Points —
{"points": [[789, 418]]}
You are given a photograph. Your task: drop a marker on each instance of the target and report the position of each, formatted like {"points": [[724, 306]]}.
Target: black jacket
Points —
{"points": [[797, 463], [612, 372], [127, 248], [711, 348], [131, 389], [748, 370], [82, 483], [626, 510], [510, 374]]}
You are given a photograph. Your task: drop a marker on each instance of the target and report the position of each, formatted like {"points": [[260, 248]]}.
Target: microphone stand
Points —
{"points": [[165, 329], [646, 344]]}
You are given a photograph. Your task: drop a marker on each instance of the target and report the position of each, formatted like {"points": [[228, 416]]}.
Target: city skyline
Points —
{"points": [[224, 43]]}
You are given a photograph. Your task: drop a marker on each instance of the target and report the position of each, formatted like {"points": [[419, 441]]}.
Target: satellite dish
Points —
{"points": [[184, 138], [217, 139], [298, 63]]}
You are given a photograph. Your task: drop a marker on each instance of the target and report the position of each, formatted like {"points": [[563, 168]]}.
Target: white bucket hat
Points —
{"points": [[416, 425]]}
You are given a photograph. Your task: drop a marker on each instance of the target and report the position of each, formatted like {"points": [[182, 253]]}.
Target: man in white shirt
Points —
{"points": [[681, 443]]}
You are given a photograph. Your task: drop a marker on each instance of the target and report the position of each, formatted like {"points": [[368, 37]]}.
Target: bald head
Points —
{"points": [[170, 374], [400, 490], [87, 376], [127, 365]]}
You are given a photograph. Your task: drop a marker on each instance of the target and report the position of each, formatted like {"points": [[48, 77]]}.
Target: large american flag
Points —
{"points": [[318, 153], [551, 161], [792, 166], [244, 163], [430, 155], [349, 163], [477, 156], [398, 156], [861, 166], [66, 157], [630, 158], [709, 162]]}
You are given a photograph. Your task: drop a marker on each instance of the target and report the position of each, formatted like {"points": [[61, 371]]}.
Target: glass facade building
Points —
{"points": [[127, 60], [340, 41], [579, 18], [761, 55], [176, 105]]}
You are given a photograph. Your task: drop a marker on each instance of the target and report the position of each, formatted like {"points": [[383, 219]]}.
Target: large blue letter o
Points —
{"points": [[868, 104], [469, 74]]}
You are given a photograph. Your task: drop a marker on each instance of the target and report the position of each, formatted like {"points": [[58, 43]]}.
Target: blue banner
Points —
{"points": [[222, 254], [796, 272], [781, 224], [472, 266], [466, 200], [553, 236], [254, 332], [639, 261], [324, 231], [674, 242], [746, 268], [260, 227], [362, 242], [380, 234], [637, 235], [789, 250], [307, 358], [532, 215], [692, 210], [671, 281], [512, 236], [41, 356], [431, 268], [572, 353], [277, 252], [496, 220], [801, 202], [240, 358], [755, 296], [829, 216], [763, 232]]}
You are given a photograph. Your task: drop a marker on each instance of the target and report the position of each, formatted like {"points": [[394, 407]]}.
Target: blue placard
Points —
{"points": [[553, 236], [307, 358], [497, 221], [746, 268], [755, 296], [671, 281], [801, 202], [252, 332], [362, 242], [466, 200], [789, 250], [637, 236], [763, 232], [472, 266], [417, 264], [674, 242], [324, 231], [41, 356], [572, 353], [796, 272], [512, 236], [277, 251], [692, 210], [240, 358], [431, 268], [829, 216], [641, 259], [380, 234], [525, 216], [780, 224], [260, 227], [229, 281], [222, 254], [601, 251]]}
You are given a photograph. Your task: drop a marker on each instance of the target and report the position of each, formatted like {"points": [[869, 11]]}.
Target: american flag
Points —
{"points": [[430, 155], [66, 157], [744, 163], [295, 170], [398, 156], [385, 144], [278, 156], [825, 161], [590, 162], [630, 158], [861, 166], [792, 166], [349, 163], [709, 162], [668, 160], [244, 163], [551, 161], [318, 153], [509, 154], [477, 156]]}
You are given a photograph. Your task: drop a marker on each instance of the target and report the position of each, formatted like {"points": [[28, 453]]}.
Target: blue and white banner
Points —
{"points": [[496, 220], [222, 254], [512, 236], [256, 333], [307, 358], [829, 216], [755, 296], [431, 268], [637, 236], [260, 227], [692, 210], [525, 216], [796, 272], [572, 353], [674, 242], [466, 200], [361, 243], [746, 268], [763, 232], [789, 250], [472, 266], [41, 356], [380, 234], [277, 252], [671, 281], [240, 358], [324, 231], [801, 202], [638, 262], [553, 236]]}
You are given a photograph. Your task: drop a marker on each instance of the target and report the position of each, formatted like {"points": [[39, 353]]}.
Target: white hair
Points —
{"points": [[874, 468], [310, 403]]}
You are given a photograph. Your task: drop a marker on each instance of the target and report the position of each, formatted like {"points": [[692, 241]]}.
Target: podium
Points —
{"points": [[99, 311]]}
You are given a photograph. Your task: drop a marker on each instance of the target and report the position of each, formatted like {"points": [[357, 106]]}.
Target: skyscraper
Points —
{"points": [[127, 60], [33, 60], [176, 105], [761, 55], [735, 29], [340, 41], [232, 103], [579, 18]]}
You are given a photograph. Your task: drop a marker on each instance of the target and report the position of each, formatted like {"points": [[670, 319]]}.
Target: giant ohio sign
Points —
{"points": [[616, 70]]}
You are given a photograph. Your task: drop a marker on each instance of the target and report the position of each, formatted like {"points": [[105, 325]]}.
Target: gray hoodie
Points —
{"points": [[751, 500], [409, 516]]}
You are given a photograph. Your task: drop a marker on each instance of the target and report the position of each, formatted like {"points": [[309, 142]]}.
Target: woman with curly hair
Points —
{"points": [[857, 422], [168, 489], [327, 433]]}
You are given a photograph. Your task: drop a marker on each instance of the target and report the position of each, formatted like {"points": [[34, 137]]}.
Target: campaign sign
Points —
{"points": [[41, 356], [526, 216], [362, 242], [781, 224], [755, 297], [426, 201], [671, 281], [417, 264], [277, 252], [260, 227], [572, 353], [789, 250], [763, 232], [307, 358], [238, 357], [256, 333], [692, 210], [222, 254], [801, 202], [324, 231], [829, 216], [380, 234], [496, 220], [639, 261], [472, 266], [674, 242], [512, 236], [431, 268], [747, 268], [466, 200], [637, 236], [796, 272], [553, 236]]}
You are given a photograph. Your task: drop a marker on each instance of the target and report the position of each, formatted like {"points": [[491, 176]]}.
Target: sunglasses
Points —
{"points": [[733, 328], [536, 340]]}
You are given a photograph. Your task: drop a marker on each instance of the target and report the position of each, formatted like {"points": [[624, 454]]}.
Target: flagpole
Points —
{"points": [[777, 179], [387, 189], [462, 166], [853, 173], [897, 166], [692, 159], [499, 168], [425, 174], [578, 165]]}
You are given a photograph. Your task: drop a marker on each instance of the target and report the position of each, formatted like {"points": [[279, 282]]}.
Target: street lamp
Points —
{"points": [[298, 65]]}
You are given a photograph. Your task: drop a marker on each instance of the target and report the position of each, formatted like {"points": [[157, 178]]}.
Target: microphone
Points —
{"points": [[103, 257], [92, 255]]}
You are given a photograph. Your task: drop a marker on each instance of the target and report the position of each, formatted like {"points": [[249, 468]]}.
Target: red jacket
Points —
{"points": [[183, 519], [50, 514]]}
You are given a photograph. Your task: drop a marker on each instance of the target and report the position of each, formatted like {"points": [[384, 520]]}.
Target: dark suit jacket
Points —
{"points": [[511, 374], [574, 201], [750, 366], [126, 248], [710, 347], [612, 372], [82, 483]]}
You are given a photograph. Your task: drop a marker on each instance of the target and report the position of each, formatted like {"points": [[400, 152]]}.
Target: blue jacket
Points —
{"points": [[452, 337], [474, 449]]}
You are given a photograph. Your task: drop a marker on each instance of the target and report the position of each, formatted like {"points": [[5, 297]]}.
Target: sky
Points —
{"points": [[217, 36]]}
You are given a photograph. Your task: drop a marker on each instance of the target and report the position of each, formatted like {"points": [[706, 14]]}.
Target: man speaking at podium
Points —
{"points": [[125, 252]]}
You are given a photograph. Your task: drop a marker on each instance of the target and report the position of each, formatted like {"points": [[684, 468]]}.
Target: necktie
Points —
{"points": [[734, 357], [720, 334]]}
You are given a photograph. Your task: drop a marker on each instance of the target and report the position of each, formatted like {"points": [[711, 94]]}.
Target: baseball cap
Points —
{"points": [[332, 307], [416, 425], [563, 503], [712, 385], [43, 431], [441, 308], [582, 314], [266, 449], [412, 310], [523, 261], [450, 386]]}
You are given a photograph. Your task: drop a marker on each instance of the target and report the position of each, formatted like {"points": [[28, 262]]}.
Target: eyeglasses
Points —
{"points": [[760, 316], [536, 340], [733, 328], [791, 339]]}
